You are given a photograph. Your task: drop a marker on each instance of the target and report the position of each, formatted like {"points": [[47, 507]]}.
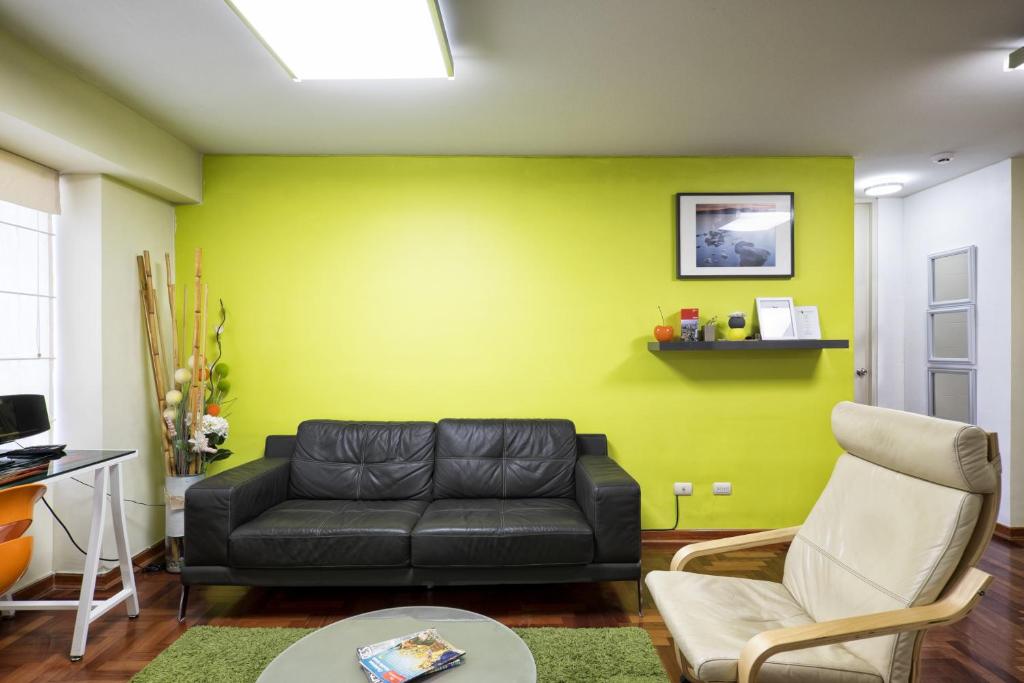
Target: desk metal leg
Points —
{"points": [[124, 555], [92, 563], [7, 612]]}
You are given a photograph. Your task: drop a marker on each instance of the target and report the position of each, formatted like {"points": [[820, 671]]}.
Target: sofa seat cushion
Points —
{"points": [[327, 533], [493, 532], [712, 617]]}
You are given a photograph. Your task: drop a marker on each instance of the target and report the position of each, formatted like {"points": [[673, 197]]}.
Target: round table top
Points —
{"points": [[493, 651]]}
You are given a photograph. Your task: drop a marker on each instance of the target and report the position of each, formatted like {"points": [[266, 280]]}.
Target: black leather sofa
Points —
{"points": [[417, 503]]}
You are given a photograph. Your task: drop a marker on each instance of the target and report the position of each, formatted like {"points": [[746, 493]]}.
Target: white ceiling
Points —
{"points": [[889, 82]]}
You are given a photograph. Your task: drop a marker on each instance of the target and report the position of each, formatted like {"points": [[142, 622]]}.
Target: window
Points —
{"points": [[26, 303]]}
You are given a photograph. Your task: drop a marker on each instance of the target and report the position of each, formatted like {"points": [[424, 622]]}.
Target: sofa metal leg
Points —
{"points": [[640, 598], [183, 603]]}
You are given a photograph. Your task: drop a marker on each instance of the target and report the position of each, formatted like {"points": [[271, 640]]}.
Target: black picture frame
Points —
{"points": [[693, 271]]}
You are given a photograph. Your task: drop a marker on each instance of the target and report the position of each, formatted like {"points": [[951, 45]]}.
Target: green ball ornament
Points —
{"points": [[221, 370], [223, 386]]}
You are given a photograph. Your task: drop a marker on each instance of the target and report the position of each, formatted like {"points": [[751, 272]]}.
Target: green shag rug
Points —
{"points": [[219, 654]]}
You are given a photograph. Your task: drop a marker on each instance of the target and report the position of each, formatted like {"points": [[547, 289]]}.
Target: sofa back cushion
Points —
{"points": [[338, 460], [505, 459]]}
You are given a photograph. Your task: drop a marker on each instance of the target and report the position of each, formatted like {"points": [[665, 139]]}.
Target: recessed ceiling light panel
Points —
{"points": [[882, 189], [349, 39]]}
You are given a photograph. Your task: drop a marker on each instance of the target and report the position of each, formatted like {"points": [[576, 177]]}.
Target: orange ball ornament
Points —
{"points": [[213, 410]]}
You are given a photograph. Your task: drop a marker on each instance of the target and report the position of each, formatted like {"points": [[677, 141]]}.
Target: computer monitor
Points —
{"points": [[22, 415]]}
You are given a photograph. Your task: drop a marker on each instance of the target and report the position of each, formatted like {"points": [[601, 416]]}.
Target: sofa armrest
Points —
{"points": [[217, 506], [610, 500]]}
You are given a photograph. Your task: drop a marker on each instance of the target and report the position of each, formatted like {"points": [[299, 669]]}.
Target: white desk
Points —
{"points": [[106, 469]]}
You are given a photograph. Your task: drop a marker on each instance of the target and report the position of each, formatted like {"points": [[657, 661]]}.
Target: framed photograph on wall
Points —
{"points": [[734, 235]]}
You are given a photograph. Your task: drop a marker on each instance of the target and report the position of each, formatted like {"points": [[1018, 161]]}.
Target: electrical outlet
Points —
{"points": [[682, 488], [722, 488]]}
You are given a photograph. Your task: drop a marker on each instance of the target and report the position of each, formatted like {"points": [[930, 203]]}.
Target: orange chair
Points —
{"points": [[16, 505]]}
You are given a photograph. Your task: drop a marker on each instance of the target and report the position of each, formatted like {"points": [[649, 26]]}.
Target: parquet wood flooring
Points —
{"points": [[987, 646]]}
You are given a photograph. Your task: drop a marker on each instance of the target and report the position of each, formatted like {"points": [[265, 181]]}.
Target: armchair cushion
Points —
{"points": [[712, 617], [327, 533], [878, 540], [610, 500], [218, 505], [949, 453]]}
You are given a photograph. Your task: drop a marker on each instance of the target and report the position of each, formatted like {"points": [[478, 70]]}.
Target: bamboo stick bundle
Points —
{"points": [[152, 334], [176, 360], [197, 369], [202, 381], [152, 308]]}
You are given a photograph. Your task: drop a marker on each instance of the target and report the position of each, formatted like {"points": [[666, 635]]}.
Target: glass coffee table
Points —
{"points": [[493, 651]]}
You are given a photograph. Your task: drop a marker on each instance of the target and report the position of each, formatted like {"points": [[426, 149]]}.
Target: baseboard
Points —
{"points": [[1013, 534], [684, 536], [106, 581]]}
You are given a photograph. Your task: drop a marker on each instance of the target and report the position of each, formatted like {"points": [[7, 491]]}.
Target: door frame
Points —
{"points": [[869, 261]]}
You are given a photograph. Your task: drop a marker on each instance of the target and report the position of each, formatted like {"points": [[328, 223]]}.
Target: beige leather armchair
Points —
{"points": [[887, 552]]}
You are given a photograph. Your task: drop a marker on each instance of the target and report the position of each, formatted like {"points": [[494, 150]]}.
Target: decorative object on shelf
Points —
{"points": [[776, 318], [689, 324], [711, 329], [662, 332], [807, 324], [191, 399], [737, 330], [734, 235]]}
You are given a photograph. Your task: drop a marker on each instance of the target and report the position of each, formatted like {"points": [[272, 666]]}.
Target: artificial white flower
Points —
{"points": [[182, 375], [214, 425], [201, 445], [173, 397]]}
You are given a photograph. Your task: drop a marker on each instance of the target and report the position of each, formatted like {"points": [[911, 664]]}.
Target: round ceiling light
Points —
{"points": [[883, 189]]}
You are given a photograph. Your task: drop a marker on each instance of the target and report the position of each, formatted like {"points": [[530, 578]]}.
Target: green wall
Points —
{"points": [[405, 288]]}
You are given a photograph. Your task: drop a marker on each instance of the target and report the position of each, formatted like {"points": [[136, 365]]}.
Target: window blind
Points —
{"points": [[27, 243], [28, 184]]}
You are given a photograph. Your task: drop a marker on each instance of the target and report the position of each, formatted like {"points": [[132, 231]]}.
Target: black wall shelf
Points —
{"points": [[751, 345]]}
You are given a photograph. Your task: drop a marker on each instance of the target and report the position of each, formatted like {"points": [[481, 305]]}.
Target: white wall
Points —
{"points": [[104, 391], [889, 304], [49, 115], [973, 209]]}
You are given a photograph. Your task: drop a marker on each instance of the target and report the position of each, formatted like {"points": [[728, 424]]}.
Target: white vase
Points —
{"points": [[174, 536]]}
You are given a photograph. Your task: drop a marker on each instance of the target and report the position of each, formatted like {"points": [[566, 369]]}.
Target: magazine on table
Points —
{"points": [[408, 657]]}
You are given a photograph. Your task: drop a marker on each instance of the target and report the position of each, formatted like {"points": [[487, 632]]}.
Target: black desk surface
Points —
{"points": [[72, 461]]}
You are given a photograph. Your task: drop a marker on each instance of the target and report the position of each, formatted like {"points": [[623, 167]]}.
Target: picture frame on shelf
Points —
{"points": [[776, 318], [734, 235], [808, 325]]}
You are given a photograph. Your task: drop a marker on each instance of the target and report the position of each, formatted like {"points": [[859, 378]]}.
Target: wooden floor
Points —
{"points": [[987, 646]]}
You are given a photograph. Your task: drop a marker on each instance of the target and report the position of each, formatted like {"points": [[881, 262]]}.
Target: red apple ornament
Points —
{"points": [[663, 333]]}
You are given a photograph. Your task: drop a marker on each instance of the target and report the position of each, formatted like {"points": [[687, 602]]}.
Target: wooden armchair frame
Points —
{"points": [[956, 602]]}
